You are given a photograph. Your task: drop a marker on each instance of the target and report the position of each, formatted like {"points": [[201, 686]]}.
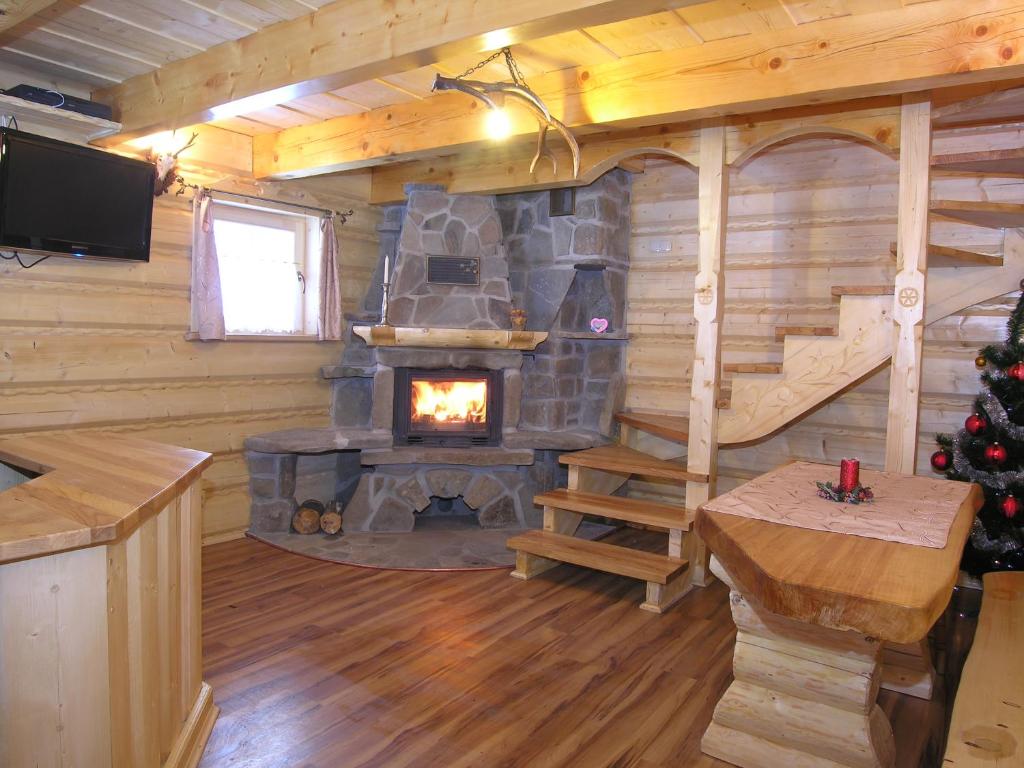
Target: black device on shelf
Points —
{"points": [[65, 199], [60, 100]]}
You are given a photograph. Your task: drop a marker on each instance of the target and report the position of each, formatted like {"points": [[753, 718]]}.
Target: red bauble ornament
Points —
{"points": [[941, 460], [976, 424], [1016, 371], [995, 453], [1010, 506]]}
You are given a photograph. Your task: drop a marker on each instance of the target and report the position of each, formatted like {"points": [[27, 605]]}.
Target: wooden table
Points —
{"points": [[812, 610], [100, 647]]}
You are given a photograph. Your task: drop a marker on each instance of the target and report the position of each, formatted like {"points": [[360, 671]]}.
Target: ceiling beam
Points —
{"points": [[342, 43], [929, 45], [505, 168], [13, 12]]}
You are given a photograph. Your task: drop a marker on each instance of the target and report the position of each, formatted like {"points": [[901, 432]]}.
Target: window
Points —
{"points": [[269, 269]]}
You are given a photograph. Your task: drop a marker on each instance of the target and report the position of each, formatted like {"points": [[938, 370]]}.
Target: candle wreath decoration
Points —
{"points": [[848, 490]]}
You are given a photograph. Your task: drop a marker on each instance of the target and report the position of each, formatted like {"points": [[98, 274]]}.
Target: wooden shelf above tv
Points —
{"points": [[62, 124]]}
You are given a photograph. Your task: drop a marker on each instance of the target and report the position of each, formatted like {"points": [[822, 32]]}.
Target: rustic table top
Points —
{"points": [[885, 589], [93, 489]]}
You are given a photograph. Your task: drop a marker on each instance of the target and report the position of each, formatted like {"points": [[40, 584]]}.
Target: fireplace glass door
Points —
{"points": [[455, 408]]}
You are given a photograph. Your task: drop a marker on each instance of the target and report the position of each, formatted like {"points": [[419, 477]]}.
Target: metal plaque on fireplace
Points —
{"points": [[453, 270]]}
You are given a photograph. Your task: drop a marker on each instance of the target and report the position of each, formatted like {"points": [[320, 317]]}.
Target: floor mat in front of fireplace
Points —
{"points": [[438, 544]]}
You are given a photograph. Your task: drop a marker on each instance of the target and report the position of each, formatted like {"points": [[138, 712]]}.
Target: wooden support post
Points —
{"points": [[708, 306], [908, 307], [906, 671], [802, 695]]}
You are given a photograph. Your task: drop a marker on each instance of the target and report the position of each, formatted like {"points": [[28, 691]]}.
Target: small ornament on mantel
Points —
{"points": [[848, 490], [980, 361], [518, 319], [598, 324]]}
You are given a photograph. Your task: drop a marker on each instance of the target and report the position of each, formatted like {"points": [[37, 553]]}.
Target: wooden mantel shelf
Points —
{"points": [[398, 336]]}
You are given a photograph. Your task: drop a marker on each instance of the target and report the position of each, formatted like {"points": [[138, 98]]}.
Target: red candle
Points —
{"points": [[849, 474]]}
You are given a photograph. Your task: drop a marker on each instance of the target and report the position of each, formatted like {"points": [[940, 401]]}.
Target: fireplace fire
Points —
{"points": [[453, 408], [448, 404]]}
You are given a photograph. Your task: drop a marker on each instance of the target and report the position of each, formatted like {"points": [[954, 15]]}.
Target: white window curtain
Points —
{"points": [[329, 324], [207, 318]]}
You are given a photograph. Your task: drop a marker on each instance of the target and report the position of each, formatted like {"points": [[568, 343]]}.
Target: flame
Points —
{"points": [[445, 402]]}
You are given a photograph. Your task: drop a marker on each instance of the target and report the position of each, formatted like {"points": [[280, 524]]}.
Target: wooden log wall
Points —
{"points": [[803, 217], [101, 346]]}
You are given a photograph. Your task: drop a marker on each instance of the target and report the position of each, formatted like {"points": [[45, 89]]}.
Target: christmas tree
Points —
{"points": [[989, 450]]}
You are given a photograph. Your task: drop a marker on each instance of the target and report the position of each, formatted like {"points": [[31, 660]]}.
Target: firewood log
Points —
{"points": [[330, 522], [306, 520]]}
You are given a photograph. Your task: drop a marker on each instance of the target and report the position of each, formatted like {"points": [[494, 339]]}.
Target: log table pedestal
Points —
{"points": [[813, 610]]}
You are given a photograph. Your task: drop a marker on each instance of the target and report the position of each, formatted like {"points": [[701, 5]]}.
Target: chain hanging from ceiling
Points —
{"points": [[494, 95]]}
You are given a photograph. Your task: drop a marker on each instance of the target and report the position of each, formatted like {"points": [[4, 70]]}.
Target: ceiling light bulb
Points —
{"points": [[498, 124]]}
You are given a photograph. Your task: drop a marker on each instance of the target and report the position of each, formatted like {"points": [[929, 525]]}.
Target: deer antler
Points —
{"points": [[191, 141], [480, 90]]}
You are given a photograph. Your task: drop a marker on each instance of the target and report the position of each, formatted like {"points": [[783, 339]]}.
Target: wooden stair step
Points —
{"points": [[620, 458], [663, 425], [1002, 106], [862, 290], [947, 256], [752, 368], [638, 511], [981, 213], [622, 561], [994, 162], [782, 331]]}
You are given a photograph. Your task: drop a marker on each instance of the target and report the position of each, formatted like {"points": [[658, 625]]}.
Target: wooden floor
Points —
{"points": [[326, 665]]}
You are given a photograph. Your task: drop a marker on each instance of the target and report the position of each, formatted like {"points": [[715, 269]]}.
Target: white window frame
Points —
{"points": [[306, 258]]}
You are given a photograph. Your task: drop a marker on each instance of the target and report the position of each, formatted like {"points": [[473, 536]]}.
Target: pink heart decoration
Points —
{"points": [[598, 325]]}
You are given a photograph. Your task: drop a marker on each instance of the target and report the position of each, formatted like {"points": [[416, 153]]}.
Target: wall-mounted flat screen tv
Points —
{"points": [[65, 199]]}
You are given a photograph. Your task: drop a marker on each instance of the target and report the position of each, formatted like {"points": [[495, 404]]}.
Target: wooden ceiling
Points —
{"points": [[99, 43]]}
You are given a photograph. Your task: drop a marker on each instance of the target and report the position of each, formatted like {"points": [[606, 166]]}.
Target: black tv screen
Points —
{"points": [[60, 198]]}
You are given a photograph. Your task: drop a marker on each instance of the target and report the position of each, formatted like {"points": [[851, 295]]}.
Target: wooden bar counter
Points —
{"points": [[813, 610], [100, 604]]}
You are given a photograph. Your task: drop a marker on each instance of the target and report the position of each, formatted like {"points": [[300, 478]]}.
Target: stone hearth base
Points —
{"points": [[390, 498], [459, 547]]}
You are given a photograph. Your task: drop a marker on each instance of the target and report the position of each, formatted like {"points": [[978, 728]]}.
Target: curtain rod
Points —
{"points": [[342, 215]]}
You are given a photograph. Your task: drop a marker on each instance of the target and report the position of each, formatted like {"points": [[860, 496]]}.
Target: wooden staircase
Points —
{"points": [[594, 475], [757, 399]]}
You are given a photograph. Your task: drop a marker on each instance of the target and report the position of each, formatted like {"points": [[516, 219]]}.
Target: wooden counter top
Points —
{"points": [[880, 588], [93, 489]]}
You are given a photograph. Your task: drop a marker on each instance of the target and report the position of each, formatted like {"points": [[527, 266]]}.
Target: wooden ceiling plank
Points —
{"points": [[343, 43], [162, 24], [56, 47], [101, 29], [806, 11], [17, 11], [30, 58], [925, 46], [253, 14], [646, 34]]}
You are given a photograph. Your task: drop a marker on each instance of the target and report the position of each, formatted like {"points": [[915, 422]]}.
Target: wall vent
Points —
{"points": [[453, 270]]}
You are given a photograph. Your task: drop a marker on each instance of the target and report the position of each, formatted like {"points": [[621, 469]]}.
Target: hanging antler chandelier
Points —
{"points": [[494, 95]]}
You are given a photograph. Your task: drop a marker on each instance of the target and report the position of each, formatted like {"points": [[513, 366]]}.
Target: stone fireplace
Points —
{"points": [[419, 431]]}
